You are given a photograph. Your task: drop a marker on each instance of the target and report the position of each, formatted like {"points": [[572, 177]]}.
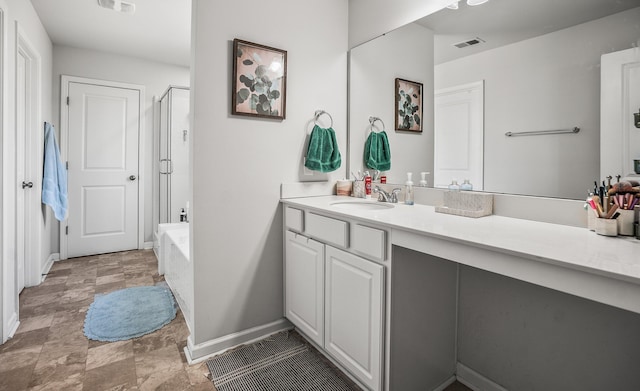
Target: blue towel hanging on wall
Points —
{"points": [[54, 181]]}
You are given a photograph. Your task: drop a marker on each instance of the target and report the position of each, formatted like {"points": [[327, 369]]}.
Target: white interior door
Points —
{"points": [[459, 135], [103, 184], [620, 98]]}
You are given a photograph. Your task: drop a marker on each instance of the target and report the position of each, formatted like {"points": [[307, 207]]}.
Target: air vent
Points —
{"points": [[470, 42], [125, 7]]}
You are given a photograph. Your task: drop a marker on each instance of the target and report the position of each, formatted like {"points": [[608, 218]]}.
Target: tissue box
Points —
{"points": [[467, 204]]}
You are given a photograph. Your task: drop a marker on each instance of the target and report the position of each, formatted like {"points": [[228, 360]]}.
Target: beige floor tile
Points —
{"points": [[109, 353], [118, 374], [34, 323], [16, 379], [50, 351]]}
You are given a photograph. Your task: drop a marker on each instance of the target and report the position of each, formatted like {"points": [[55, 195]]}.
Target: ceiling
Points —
{"points": [[501, 22], [160, 30]]}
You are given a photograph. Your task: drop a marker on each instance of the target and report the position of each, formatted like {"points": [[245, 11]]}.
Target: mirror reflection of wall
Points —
{"points": [[405, 53], [543, 82]]}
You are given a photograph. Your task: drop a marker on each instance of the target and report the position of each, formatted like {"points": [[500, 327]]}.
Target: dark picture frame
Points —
{"points": [[409, 105], [259, 87]]}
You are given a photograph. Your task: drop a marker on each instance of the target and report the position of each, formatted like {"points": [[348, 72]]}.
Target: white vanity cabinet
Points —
{"points": [[335, 297], [353, 314], [304, 285]]}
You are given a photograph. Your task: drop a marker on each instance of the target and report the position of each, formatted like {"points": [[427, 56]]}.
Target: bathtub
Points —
{"points": [[174, 262]]}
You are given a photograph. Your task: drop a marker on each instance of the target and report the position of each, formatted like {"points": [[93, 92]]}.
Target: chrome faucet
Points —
{"points": [[383, 196]]}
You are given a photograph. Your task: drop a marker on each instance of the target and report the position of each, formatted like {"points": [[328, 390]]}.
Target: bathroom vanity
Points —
{"points": [[391, 293]]}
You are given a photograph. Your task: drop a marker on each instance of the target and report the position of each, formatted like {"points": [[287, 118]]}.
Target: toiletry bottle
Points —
{"points": [[454, 185], [408, 190], [367, 186], [423, 179], [183, 215], [466, 185]]}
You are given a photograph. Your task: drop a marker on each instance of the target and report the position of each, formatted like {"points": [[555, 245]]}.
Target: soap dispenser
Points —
{"points": [[466, 185], [408, 190], [423, 179]]}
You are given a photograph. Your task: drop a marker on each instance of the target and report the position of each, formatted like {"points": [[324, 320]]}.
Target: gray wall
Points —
{"points": [[548, 82], [405, 53], [525, 337], [238, 163], [423, 320]]}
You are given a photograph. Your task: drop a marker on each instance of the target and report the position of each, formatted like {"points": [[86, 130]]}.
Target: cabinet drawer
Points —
{"points": [[368, 241], [328, 230], [294, 219]]}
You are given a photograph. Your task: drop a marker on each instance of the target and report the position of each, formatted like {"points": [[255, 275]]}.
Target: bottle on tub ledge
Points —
{"points": [[408, 190], [466, 185], [454, 186]]}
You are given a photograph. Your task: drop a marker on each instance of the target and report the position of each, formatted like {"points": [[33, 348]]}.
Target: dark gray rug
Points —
{"points": [[284, 361]]}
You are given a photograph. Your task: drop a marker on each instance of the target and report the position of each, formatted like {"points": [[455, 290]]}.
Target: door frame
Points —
{"points": [[64, 145], [33, 150]]}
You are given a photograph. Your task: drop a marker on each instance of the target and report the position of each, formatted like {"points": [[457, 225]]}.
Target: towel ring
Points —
{"points": [[319, 113], [372, 121]]}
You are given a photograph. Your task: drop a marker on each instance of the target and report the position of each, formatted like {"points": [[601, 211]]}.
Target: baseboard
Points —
{"points": [[12, 325], [147, 246], [446, 384], [474, 380], [47, 265], [202, 351]]}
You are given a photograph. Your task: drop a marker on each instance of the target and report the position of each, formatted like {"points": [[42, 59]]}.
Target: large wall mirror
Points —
{"points": [[539, 65]]}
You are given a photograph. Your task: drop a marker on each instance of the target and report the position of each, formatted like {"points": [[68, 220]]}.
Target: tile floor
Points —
{"points": [[50, 351]]}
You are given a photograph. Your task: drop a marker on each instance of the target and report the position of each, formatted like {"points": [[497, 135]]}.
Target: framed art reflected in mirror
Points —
{"points": [[409, 105]]}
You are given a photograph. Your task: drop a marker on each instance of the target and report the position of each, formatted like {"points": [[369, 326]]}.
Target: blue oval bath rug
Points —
{"points": [[129, 313]]}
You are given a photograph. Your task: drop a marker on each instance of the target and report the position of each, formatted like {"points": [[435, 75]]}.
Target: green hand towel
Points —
{"points": [[323, 154], [377, 154]]}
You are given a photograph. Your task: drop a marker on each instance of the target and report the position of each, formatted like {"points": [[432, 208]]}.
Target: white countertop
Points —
{"points": [[569, 247]]}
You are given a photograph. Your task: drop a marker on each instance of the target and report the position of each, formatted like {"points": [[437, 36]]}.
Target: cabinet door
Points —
{"points": [[304, 285], [354, 302]]}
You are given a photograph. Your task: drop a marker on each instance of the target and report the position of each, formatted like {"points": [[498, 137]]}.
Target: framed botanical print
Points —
{"points": [[409, 105], [259, 86]]}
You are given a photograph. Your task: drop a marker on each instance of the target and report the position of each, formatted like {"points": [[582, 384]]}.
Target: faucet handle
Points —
{"points": [[394, 195]]}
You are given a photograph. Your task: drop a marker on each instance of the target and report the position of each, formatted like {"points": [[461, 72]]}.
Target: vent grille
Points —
{"points": [[470, 42]]}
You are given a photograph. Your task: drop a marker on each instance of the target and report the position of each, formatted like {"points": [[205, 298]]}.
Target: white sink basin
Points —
{"points": [[361, 205]]}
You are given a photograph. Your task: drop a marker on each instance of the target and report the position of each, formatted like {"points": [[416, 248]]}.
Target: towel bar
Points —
{"points": [[541, 132]]}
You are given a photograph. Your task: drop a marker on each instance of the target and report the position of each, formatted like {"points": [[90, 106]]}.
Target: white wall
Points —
{"points": [[406, 53], [369, 19], [238, 163], [156, 78], [22, 12], [548, 82]]}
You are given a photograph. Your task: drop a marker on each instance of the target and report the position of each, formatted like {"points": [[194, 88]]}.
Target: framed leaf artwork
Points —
{"points": [[259, 87], [409, 105]]}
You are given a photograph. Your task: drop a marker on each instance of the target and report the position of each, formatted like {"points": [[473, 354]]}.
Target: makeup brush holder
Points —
{"points": [[607, 227], [625, 222]]}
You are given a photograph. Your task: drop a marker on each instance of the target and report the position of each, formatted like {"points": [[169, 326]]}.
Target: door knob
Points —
{"points": [[27, 184], [132, 178]]}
